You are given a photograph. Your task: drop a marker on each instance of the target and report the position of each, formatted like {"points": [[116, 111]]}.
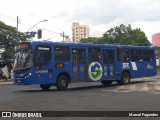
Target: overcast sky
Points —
{"points": [[99, 15]]}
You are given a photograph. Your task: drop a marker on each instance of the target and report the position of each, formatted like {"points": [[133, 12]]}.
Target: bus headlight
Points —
{"points": [[28, 75]]}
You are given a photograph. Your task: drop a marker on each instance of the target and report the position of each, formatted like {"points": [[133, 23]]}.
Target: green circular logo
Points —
{"points": [[95, 71]]}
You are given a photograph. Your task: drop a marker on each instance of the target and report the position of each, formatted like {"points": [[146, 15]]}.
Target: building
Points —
{"points": [[156, 39], [67, 39], [79, 32], [96, 34], [156, 42]]}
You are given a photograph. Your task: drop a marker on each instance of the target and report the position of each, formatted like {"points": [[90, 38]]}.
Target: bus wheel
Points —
{"points": [[45, 86], [125, 79], [106, 83], [62, 83]]}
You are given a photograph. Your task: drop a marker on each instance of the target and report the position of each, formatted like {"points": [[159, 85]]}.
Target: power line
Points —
{"points": [[8, 17], [51, 31], [14, 19]]}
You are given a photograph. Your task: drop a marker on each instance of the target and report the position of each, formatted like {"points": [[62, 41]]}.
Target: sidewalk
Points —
{"points": [[3, 81]]}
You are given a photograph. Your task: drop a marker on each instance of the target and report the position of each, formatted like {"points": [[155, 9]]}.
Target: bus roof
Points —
{"points": [[35, 43]]}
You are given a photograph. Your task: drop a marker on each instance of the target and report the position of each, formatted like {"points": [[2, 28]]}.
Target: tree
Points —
{"points": [[89, 40], [123, 35], [8, 39]]}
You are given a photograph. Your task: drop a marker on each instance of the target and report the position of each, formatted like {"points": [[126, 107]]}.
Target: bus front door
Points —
{"points": [[109, 64], [78, 64]]}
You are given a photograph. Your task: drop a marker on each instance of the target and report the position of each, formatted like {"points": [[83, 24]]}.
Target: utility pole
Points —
{"points": [[62, 34], [17, 28]]}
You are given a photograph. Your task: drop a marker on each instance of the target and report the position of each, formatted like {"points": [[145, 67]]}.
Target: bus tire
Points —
{"points": [[106, 83], [45, 87], [125, 79], [62, 83]]}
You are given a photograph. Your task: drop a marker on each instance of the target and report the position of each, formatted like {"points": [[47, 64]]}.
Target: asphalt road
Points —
{"points": [[141, 95]]}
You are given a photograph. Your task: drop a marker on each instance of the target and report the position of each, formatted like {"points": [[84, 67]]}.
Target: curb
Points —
{"points": [[6, 83]]}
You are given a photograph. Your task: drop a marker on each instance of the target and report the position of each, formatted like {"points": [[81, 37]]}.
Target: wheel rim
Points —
{"points": [[63, 82], [126, 78]]}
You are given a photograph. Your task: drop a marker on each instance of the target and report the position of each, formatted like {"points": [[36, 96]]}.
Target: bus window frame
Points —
{"points": [[123, 57], [37, 63], [148, 55], [94, 57], [63, 54], [134, 54]]}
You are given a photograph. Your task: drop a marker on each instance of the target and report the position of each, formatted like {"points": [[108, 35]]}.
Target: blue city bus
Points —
{"points": [[58, 64]]}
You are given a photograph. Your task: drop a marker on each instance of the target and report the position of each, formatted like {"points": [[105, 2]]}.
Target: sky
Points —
{"points": [[99, 15]]}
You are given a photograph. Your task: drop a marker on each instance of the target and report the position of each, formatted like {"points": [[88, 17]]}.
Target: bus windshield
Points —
{"points": [[23, 59]]}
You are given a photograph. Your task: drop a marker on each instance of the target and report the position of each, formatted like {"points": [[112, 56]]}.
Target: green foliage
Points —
{"points": [[8, 39], [123, 35], [89, 40]]}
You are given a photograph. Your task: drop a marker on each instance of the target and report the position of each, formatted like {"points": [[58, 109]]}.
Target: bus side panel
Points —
{"points": [[66, 69], [95, 71], [136, 69], [121, 67], [109, 72], [133, 68], [147, 69], [47, 75], [143, 69], [28, 78]]}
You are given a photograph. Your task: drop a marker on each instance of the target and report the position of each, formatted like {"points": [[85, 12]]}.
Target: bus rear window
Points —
{"points": [[61, 53]]}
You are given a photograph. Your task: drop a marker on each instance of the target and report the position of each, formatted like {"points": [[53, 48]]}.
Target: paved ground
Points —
{"points": [[3, 81], [141, 95]]}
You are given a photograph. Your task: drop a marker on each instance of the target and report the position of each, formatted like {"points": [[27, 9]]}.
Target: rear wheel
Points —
{"points": [[125, 79], [106, 83], [62, 83], [45, 86]]}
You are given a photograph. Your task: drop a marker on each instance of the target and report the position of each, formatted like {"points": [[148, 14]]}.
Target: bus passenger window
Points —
{"points": [[136, 55], [94, 54], [78, 56], [111, 56], [123, 54], [82, 56], [75, 56], [108, 56], [105, 57], [148, 54], [43, 56], [61, 53]]}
